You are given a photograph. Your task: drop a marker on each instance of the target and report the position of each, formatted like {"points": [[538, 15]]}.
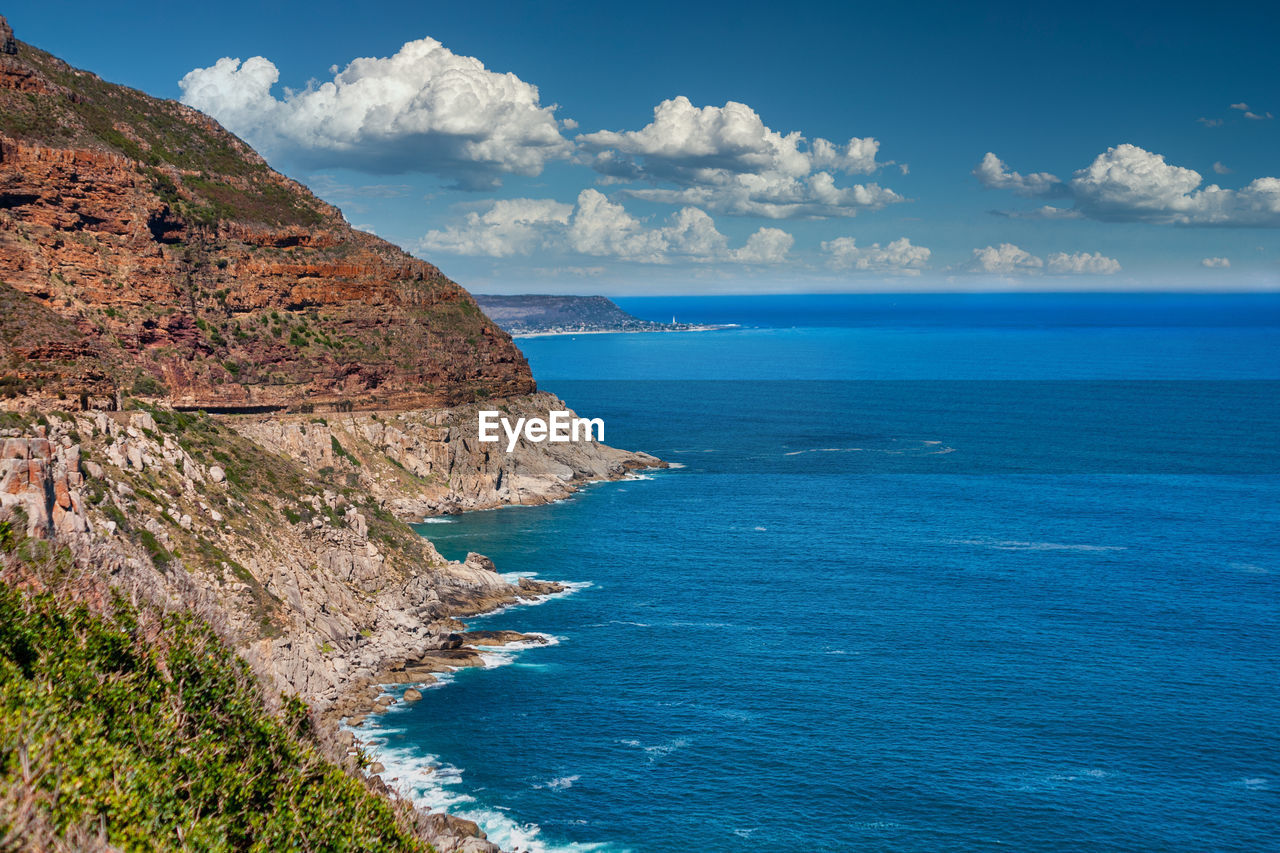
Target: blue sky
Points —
{"points": [[794, 147]]}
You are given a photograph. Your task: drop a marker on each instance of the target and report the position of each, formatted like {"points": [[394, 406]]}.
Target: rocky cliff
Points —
{"points": [[145, 250], [217, 397], [280, 532]]}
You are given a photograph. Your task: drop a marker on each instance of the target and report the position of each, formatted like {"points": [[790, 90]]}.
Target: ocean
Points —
{"points": [[930, 573]]}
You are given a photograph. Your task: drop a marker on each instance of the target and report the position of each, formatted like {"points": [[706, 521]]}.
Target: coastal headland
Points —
{"points": [[223, 402]]}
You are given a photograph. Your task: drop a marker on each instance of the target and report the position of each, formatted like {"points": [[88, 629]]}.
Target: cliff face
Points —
{"points": [[148, 258], [146, 251], [423, 463], [151, 262]]}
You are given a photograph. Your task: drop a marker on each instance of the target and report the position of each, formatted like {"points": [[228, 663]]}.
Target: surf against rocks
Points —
{"points": [[559, 428]]}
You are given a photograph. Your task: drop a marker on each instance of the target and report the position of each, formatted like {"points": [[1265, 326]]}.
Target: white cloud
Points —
{"points": [[1210, 122], [992, 173], [599, 227], [514, 226], [1082, 263], [1220, 169], [1242, 106], [603, 228], [1130, 184], [425, 109], [1008, 259], [898, 257], [1005, 259], [1249, 114], [766, 246], [1216, 263], [726, 159]]}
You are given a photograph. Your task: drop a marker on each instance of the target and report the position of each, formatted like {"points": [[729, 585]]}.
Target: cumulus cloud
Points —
{"points": [[896, 258], [992, 173], [726, 159], [1220, 169], [599, 227], [765, 246], [425, 109], [604, 228], [1008, 259], [1130, 184], [1216, 263], [514, 226], [1242, 106], [1005, 259], [1082, 263]]}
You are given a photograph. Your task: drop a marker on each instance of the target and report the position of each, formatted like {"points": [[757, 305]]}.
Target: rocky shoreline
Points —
{"points": [[288, 535], [457, 651]]}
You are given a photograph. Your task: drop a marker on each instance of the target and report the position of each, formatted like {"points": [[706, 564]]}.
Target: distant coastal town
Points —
{"points": [[535, 315]]}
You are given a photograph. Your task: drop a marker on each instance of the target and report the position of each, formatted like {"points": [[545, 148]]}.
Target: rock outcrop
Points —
{"points": [[423, 463], [152, 265], [8, 44], [147, 252], [40, 484]]}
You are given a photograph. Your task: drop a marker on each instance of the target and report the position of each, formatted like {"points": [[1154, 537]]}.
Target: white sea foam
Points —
{"points": [[495, 656], [760, 529], [1255, 783], [570, 587], [434, 785], [1018, 545], [657, 751], [560, 783], [437, 519]]}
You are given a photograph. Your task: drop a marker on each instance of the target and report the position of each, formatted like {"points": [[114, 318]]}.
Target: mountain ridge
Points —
{"points": [[152, 263], [163, 257]]}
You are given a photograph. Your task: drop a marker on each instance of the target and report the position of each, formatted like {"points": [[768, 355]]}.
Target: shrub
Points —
{"points": [[143, 730]]}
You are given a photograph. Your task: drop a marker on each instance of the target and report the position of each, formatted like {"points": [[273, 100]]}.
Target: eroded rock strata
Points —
{"points": [[154, 270], [144, 250], [293, 547]]}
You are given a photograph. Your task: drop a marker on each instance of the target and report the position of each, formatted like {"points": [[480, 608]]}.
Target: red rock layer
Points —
{"points": [[145, 251]]}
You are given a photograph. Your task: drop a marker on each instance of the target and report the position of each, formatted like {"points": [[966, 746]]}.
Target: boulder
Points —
{"points": [[480, 561]]}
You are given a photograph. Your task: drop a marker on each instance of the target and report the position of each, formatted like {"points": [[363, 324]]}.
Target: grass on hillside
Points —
{"points": [[128, 727]]}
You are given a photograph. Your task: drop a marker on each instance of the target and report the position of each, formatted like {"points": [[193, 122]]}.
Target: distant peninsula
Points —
{"points": [[527, 315]]}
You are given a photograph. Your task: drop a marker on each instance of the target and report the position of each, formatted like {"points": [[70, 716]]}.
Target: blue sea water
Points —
{"points": [[936, 573]]}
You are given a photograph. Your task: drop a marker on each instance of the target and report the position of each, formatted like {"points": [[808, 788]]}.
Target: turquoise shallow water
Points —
{"points": [[937, 573]]}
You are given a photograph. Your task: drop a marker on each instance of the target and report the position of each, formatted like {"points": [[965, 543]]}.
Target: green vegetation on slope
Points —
{"points": [[124, 726], [85, 110]]}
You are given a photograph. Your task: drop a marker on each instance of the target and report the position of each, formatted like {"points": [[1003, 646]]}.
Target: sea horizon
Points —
{"points": [[966, 517]]}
